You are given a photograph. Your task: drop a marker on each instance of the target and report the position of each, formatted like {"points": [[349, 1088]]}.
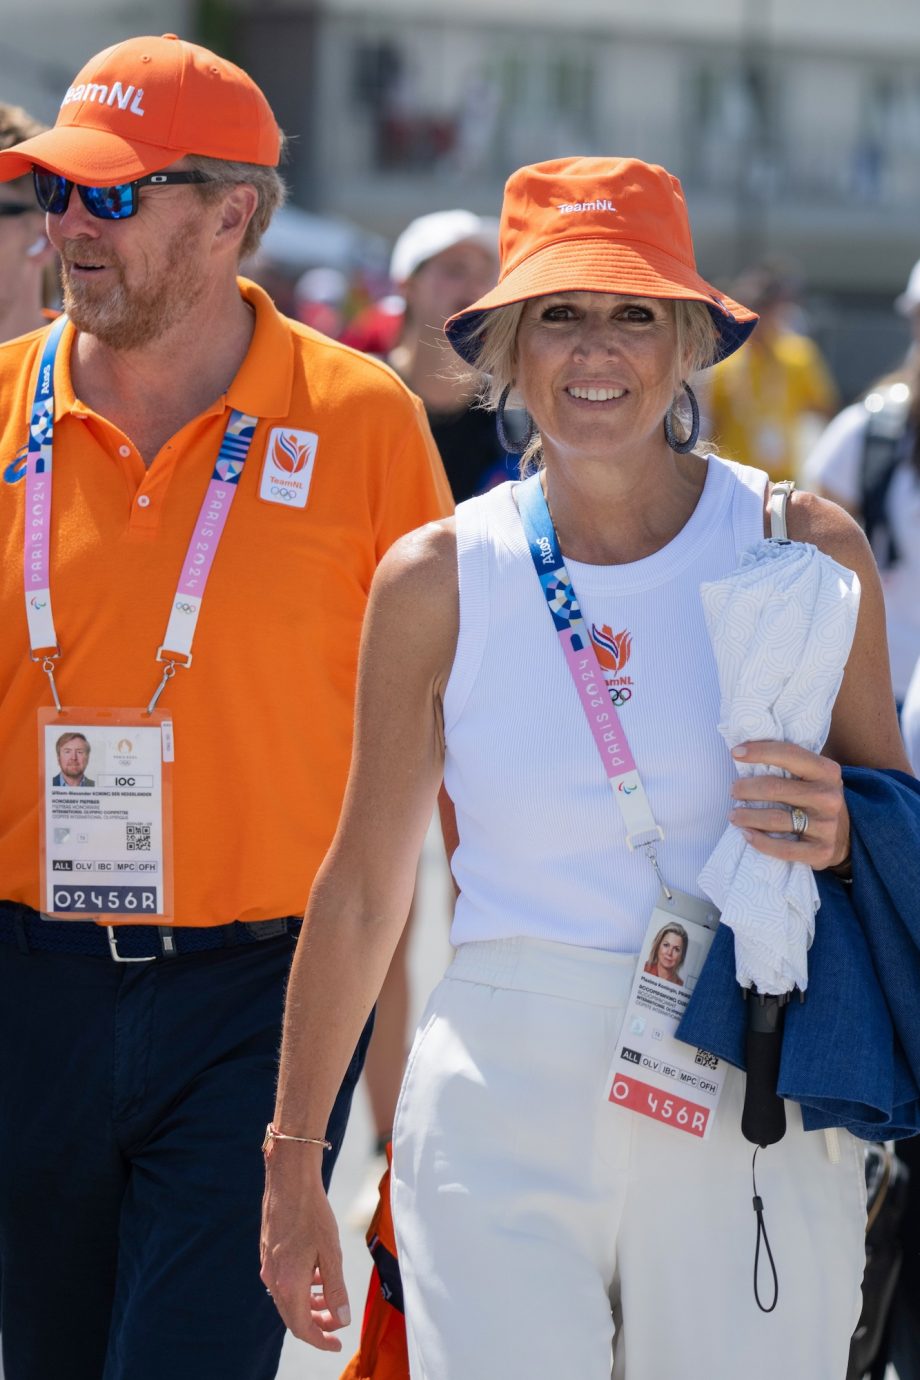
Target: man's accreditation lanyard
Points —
{"points": [[653, 1073], [176, 648], [105, 815]]}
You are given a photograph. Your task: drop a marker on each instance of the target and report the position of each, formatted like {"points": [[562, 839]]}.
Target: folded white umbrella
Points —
{"points": [[781, 627]]}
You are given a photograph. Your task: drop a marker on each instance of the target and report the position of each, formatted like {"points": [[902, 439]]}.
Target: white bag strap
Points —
{"points": [[779, 500]]}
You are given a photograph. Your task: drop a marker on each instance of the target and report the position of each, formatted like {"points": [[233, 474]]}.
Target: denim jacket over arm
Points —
{"points": [[851, 1049]]}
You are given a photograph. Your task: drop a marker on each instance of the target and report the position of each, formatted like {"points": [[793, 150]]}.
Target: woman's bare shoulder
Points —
{"points": [[423, 558], [415, 602], [832, 530]]}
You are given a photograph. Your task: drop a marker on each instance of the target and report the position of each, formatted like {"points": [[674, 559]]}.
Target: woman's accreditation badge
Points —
{"points": [[653, 1072], [106, 814]]}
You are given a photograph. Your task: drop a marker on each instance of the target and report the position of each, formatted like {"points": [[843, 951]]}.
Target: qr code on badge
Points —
{"points": [[137, 838], [709, 1061]]}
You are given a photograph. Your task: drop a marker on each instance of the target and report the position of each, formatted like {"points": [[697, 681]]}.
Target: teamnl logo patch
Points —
{"points": [[288, 466]]}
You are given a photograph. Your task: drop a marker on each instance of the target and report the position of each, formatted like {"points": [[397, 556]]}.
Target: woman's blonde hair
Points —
{"points": [[496, 358]]}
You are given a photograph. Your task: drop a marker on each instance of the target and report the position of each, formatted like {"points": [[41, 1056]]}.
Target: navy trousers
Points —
{"points": [[133, 1102]]}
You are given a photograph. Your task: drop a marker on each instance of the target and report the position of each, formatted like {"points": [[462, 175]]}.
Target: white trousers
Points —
{"points": [[545, 1234]]}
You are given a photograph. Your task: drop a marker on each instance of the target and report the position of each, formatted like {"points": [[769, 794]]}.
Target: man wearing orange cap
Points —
{"points": [[195, 494]]}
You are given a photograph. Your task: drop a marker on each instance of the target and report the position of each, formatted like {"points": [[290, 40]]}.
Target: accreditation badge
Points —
{"points": [[106, 814], [653, 1072]]}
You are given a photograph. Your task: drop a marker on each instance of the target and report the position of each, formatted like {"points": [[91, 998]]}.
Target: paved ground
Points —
{"points": [[429, 957]]}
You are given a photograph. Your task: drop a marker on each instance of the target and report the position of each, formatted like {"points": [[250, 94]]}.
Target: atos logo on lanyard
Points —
{"points": [[16, 469]]}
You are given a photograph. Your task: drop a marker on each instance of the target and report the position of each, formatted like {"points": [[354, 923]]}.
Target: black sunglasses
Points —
{"points": [[117, 202], [14, 208]]}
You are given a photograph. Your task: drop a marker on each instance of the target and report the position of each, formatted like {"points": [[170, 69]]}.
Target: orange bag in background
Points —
{"points": [[383, 1354]]}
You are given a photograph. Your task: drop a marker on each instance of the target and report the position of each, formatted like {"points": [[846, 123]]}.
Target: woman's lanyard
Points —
{"points": [[176, 648], [642, 831]]}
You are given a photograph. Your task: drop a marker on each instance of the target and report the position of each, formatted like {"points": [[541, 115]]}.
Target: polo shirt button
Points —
{"points": [[124, 450], [143, 501]]}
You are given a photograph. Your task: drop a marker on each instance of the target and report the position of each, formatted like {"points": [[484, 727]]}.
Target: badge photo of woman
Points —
{"points": [[667, 954]]}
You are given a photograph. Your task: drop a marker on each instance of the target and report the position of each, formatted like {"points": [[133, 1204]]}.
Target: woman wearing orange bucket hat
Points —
{"points": [[569, 1200]]}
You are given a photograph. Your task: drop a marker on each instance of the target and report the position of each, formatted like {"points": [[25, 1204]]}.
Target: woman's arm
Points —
{"points": [[864, 726], [358, 907]]}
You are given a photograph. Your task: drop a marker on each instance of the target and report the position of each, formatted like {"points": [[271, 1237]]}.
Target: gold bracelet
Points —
{"points": [[272, 1134]]}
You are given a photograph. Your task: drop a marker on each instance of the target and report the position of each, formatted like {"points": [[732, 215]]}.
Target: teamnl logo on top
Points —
{"points": [[288, 466], [571, 208], [125, 97]]}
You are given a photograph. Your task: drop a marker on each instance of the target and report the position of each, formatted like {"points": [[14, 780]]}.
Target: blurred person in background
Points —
{"points": [[760, 401], [320, 300], [25, 252], [440, 263], [868, 461]]}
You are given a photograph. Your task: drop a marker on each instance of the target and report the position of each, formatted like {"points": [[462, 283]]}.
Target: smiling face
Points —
{"points": [[597, 371], [128, 281]]}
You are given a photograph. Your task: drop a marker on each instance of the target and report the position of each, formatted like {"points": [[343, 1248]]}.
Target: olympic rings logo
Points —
{"points": [[184, 608], [619, 694], [287, 494]]}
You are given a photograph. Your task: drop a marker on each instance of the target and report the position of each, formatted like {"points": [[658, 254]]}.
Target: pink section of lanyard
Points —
{"points": [[603, 719], [206, 538], [38, 521]]}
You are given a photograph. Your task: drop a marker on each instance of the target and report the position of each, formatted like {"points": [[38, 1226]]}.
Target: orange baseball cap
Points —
{"points": [[138, 106], [597, 225]]}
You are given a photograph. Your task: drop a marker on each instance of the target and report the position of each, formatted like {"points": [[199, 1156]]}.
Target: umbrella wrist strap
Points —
{"points": [[642, 829], [762, 1238]]}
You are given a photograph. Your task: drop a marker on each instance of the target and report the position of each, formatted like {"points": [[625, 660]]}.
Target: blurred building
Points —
{"points": [[795, 128]]}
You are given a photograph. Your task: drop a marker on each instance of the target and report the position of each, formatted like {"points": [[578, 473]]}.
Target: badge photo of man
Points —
{"points": [[72, 751]]}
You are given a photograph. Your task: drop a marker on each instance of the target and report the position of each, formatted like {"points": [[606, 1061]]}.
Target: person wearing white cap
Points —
{"points": [[440, 263], [868, 461]]}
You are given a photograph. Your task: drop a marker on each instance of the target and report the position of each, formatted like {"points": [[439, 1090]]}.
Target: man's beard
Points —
{"points": [[123, 317]]}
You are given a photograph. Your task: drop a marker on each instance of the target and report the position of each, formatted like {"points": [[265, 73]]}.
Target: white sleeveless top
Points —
{"points": [[542, 848]]}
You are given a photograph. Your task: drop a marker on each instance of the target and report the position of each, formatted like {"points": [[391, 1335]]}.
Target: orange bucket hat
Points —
{"points": [[597, 225], [140, 105]]}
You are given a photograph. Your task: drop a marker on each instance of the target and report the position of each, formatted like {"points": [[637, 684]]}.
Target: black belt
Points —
{"points": [[24, 927]]}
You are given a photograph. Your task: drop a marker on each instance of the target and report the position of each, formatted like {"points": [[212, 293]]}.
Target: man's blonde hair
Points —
{"points": [[268, 183]]}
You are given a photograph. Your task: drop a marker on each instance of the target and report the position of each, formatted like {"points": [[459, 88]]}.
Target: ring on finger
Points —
{"points": [[799, 819]]}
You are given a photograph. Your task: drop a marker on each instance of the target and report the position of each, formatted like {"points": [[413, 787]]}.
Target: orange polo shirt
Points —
{"points": [[263, 717]]}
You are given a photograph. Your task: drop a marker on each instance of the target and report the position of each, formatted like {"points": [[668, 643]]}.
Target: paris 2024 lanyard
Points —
{"points": [[653, 1072], [105, 816]]}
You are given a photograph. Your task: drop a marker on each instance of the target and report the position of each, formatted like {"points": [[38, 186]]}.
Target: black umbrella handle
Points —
{"points": [[763, 1119]]}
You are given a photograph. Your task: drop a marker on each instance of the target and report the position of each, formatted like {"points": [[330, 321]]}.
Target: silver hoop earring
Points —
{"points": [[682, 447], [510, 443]]}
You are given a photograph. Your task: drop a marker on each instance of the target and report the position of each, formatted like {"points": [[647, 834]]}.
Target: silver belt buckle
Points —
{"points": [[120, 958]]}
